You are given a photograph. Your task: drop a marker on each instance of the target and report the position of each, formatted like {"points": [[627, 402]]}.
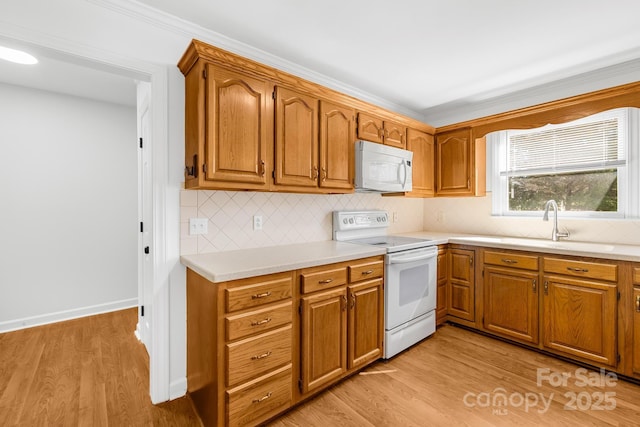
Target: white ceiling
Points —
{"points": [[422, 54], [60, 73]]}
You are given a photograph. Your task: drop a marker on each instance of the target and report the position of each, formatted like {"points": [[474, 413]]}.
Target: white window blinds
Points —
{"points": [[581, 146]]}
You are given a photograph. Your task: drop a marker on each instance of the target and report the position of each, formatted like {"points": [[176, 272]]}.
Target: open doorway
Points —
{"points": [[72, 157]]}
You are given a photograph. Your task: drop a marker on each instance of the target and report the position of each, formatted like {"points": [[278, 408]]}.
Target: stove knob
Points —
{"points": [[344, 221], [350, 220]]}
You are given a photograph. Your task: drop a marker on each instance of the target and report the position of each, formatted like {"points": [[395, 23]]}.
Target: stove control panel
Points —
{"points": [[358, 220]]}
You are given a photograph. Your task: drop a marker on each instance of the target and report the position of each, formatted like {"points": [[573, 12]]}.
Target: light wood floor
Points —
{"points": [[427, 385], [93, 372], [85, 372]]}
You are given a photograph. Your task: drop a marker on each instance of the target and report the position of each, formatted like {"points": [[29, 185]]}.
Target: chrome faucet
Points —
{"points": [[555, 234]]}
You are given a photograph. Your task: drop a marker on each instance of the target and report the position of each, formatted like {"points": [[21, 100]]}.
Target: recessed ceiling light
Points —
{"points": [[17, 56]]}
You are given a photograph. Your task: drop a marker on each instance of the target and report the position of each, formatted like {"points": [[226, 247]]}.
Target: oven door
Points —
{"points": [[410, 285]]}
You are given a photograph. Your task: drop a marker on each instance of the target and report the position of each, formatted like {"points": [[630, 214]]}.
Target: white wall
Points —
{"points": [[68, 222], [473, 215]]}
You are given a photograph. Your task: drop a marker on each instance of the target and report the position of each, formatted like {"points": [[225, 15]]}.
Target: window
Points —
{"points": [[589, 166]]}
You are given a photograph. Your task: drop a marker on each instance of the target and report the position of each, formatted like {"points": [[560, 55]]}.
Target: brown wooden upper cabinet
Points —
{"points": [[306, 156], [227, 119], [454, 167], [423, 148], [376, 129], [460, 163], [249, 126], [337, 137], [296, 144]]}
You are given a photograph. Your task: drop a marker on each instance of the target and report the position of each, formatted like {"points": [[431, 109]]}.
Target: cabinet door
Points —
{"points": [[461, 298], [423, 148], [370, 128], [636, 331], [454, 166], [443, 276], [236, 127], [366, 322], [580, 318], [296, 153], [395, 134], [511, 303], [324, 338], [337, 136]]}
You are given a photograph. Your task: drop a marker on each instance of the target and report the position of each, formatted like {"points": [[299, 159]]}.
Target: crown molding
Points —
{"points": [[182, 27], [600, 78]]}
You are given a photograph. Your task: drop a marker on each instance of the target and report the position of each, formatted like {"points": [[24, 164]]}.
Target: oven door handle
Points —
{"points": [[403, 260]]}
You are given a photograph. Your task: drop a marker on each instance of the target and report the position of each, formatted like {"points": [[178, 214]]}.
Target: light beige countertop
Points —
{"points": [[243, 263], [562, 247]]}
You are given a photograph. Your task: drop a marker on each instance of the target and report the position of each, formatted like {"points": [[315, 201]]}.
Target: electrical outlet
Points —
{"points": [[198, 226], [394, 217], [257, 222], [439, 216]]}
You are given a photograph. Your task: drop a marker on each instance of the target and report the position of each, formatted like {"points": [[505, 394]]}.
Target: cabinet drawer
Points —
{"points": [[636, 275], [367, 270], [255, 293], [257, 355], [590, 270], [317, 280], [242, 325], [256, 399], [526, 262]]}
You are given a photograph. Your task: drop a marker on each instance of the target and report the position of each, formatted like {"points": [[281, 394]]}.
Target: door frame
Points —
{"points": [[163, 199]]}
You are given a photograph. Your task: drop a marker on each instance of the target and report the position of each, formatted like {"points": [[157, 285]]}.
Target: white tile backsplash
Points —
{"points": [[298, 218], [287, 217]]}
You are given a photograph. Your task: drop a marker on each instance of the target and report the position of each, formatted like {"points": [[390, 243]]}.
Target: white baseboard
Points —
{"points": [[59, 316], [178, 388]]}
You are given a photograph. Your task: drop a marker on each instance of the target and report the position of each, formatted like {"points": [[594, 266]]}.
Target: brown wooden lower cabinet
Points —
{"points": [[239, 348], [461, 295], [324, 338], [511, 303], [257, 346], [442, 290], [580, 318], [366, 305], [265, 395], [636, 330], [342, 328]]}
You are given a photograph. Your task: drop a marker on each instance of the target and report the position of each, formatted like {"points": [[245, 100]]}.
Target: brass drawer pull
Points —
{"points": [[509, 261], [546, 287], [367, 272], [324, 282], [638, 303], [264, 295], [260, 322], [578, 270], [261, 356], [263, 398], [535, 285]]}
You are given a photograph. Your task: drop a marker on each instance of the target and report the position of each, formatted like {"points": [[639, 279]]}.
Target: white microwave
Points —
{"points": [[382, 169]]}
